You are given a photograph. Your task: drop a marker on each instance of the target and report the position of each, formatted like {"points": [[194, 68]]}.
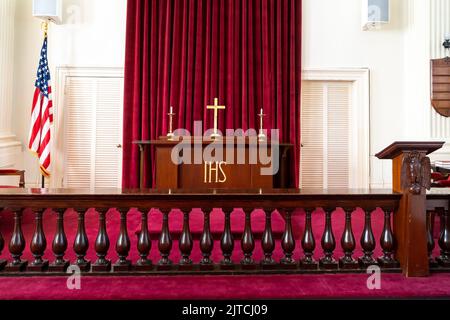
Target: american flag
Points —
{"points": [[42, 114]]}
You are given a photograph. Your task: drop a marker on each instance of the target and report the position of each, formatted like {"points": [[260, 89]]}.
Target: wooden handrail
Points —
{"points": [[285, 201], [277, 198]]}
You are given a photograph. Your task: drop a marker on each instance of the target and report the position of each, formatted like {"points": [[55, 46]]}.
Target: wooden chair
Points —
{"points": [[14, 172]]}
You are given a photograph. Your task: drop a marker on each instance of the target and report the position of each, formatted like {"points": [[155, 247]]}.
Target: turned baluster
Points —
{"points": [[102, 245], [81, 243], [348, 244], [308, 244], [2, 246], [267, 242], [59, 244], [248, 242], [288, 241], [144, 244], [430, 238], [123, 244], [165, 242], [38, 245], [440, 211], [186, 244], [328, 243], [387, 243], [17, 245], [206, 242], [227, 242], [444, 240], [367, 242]]}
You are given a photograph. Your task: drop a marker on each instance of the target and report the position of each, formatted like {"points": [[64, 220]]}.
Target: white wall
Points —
{"points": [[397, 56], [93, 34], [10, 147]]}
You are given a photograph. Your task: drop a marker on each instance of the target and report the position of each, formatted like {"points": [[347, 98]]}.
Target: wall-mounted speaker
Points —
{"points": [[375, 13], [48, 10]]}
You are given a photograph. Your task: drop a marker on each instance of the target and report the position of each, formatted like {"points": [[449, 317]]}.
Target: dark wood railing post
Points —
{"points": [[367, 242], [387, 243], [123, 244], [165, 242], [185, 243], [81, 243], [288, 241], [102, 244], [268, 243], [248, 242], [144, 244], [348, 243], [411, 172], [431, 215], [328, 243], [59, 244], [3, 262], [444, 240], [17, 244], [38, 244], [206, 242], [227, 241], [308, 244]]}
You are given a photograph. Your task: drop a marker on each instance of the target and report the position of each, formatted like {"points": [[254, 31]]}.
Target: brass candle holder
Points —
{"points": [[170, 134], [261, 136]]}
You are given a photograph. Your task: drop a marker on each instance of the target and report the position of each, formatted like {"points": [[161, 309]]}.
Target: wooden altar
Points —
{"points": [[224, 174]]}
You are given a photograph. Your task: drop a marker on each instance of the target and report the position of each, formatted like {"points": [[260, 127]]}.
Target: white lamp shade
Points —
{"points": [[48, 10]]}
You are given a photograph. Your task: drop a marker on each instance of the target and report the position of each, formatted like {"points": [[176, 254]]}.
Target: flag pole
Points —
{"points": [[44, 27]]}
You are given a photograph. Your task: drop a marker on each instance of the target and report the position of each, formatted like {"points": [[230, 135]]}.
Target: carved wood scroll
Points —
{"points": [[440, 86], [416, 172]]}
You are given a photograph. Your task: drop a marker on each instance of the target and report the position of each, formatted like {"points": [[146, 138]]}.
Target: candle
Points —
{"points": [[171, 109]]}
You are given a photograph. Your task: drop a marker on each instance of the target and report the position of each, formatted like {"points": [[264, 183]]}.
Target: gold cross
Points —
{"points": [[216, 109]]}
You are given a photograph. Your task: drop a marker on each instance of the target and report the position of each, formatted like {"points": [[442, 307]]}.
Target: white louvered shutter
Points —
{"points": [[93, 132], [325, 157]]}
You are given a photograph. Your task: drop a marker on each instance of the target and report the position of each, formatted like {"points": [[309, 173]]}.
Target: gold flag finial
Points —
{"points": [[44, 27]]}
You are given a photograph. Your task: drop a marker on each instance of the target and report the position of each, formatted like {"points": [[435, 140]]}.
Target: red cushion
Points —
{"points": [[443, 183], [437, 176]]}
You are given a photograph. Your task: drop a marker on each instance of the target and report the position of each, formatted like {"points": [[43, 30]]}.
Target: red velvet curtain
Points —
{"points": [[186, 52]]}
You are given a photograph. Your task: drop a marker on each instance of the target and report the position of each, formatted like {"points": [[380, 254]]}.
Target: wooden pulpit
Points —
{"points": [[411, 171], [230, 173]]}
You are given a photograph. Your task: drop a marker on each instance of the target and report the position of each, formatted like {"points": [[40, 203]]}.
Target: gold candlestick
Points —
{"points": [[216, 109], [261, 136], [170, 134]]}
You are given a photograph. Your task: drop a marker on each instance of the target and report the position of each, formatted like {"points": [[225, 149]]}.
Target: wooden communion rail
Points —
{"points": [[407, 246]]}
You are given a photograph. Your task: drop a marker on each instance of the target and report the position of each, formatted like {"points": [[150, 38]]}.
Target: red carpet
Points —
{"points": [[226, 287], [213, 287]]}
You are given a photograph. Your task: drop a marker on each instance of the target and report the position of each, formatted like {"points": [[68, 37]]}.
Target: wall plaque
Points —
{"points": [[440, 86]]}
